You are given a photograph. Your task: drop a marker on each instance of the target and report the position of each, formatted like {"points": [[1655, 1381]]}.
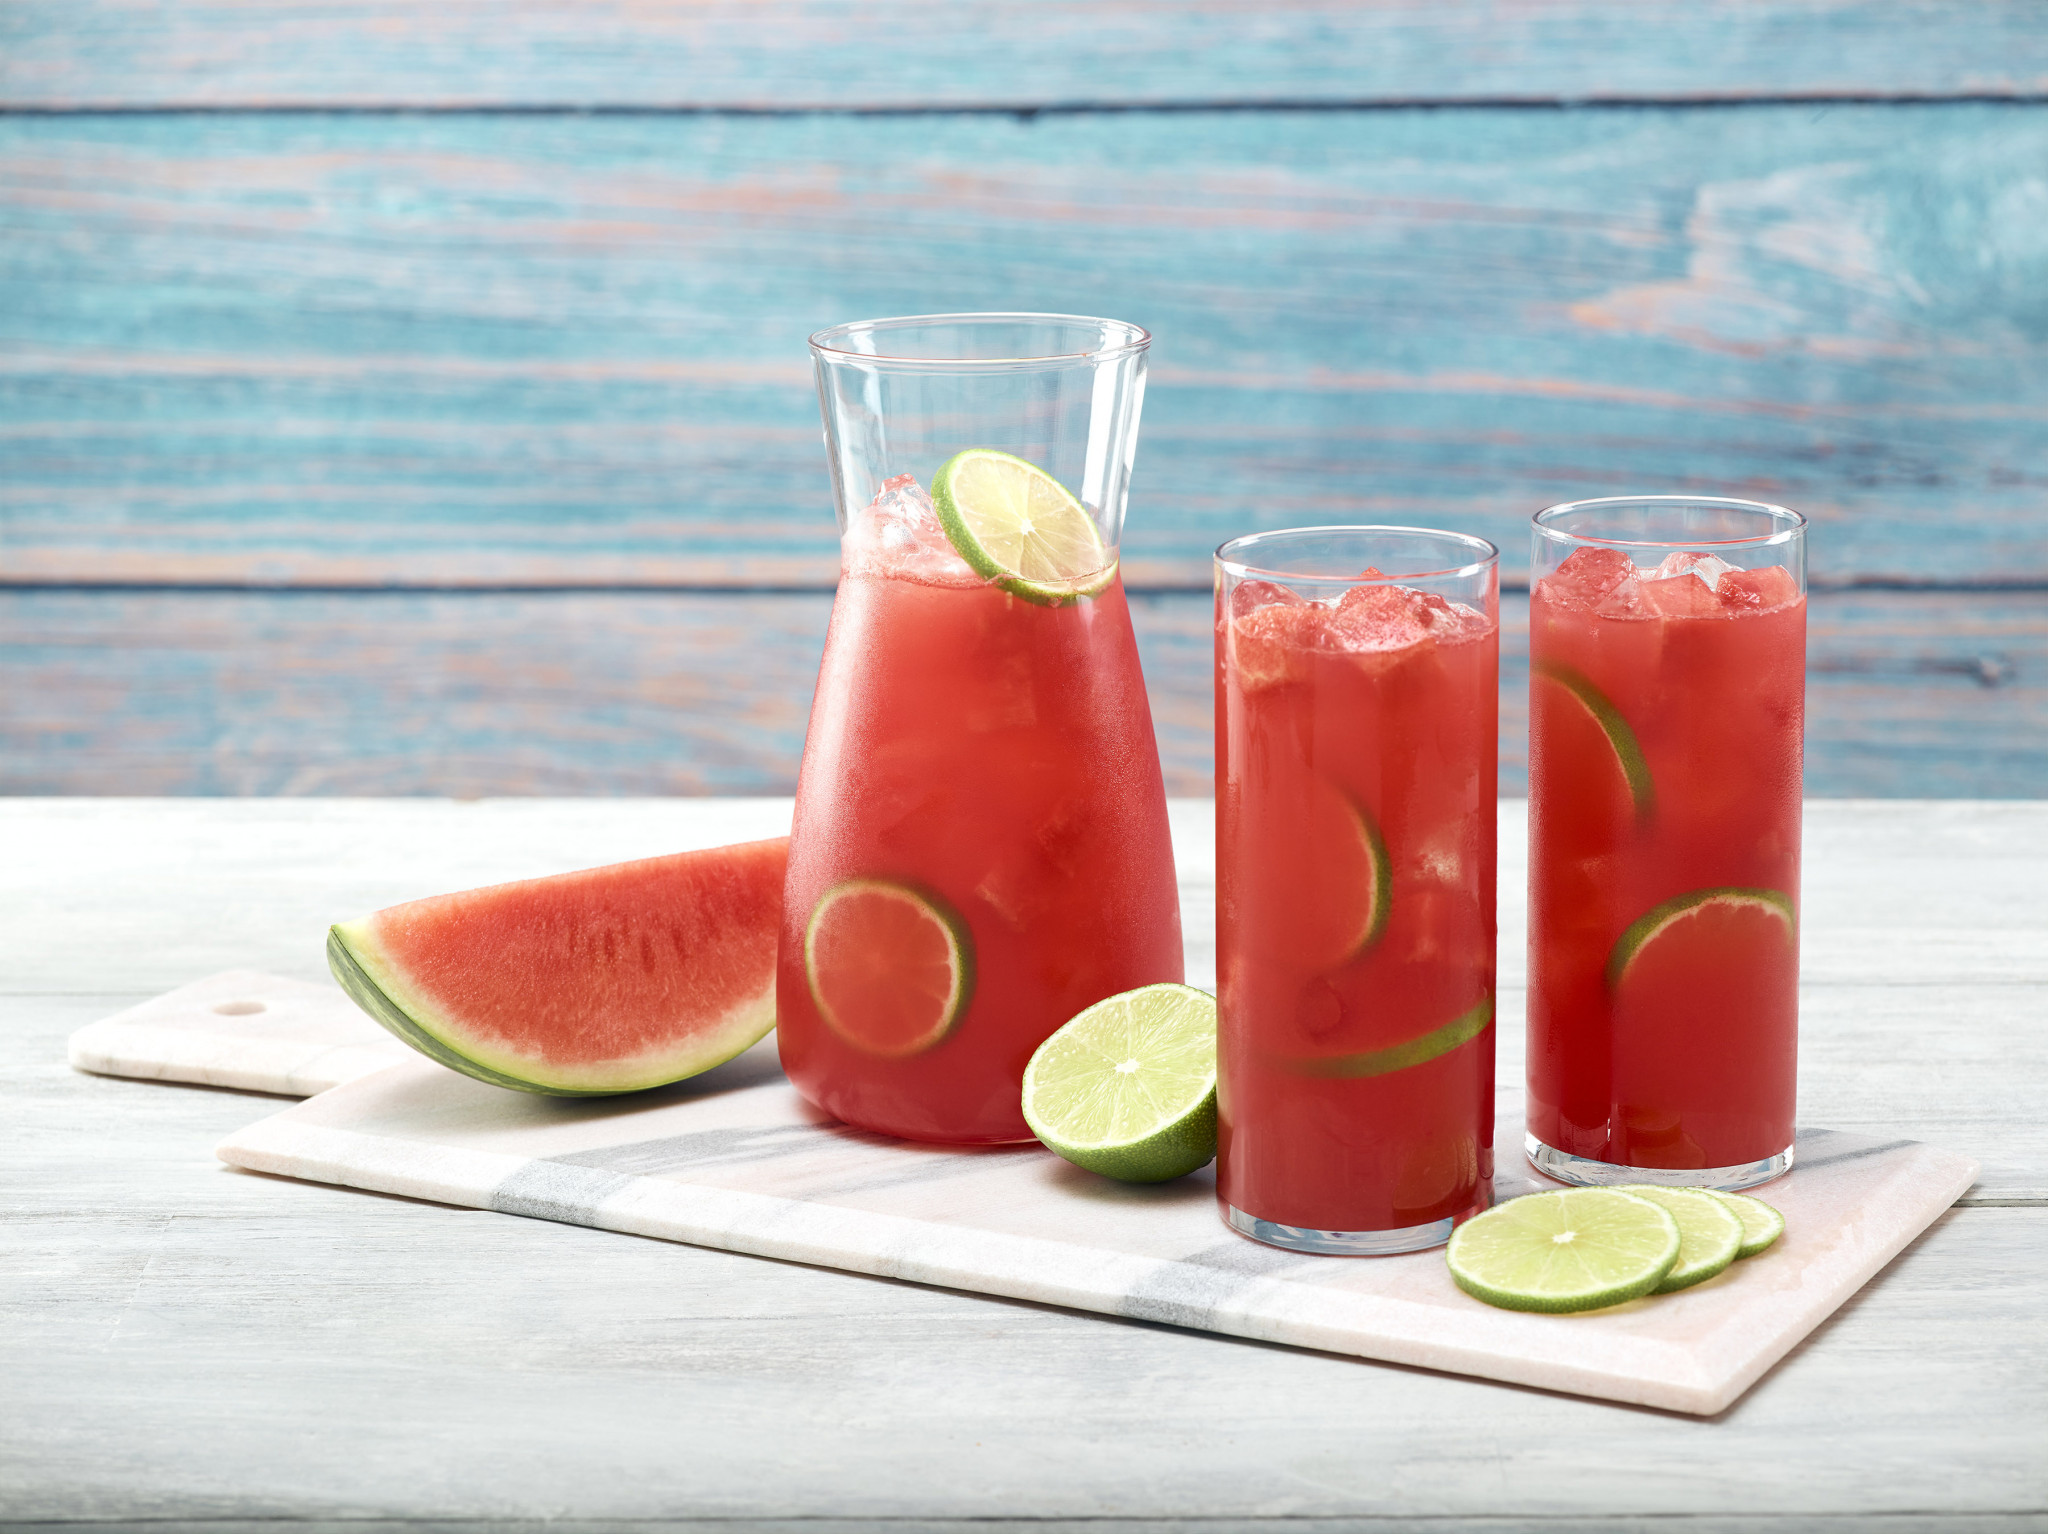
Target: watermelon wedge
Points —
{"points": [[584, 984]]}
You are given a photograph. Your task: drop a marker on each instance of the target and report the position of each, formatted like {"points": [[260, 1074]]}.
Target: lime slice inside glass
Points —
{"points": [[1420, 1050], [1327, 900], [1577, 1250], [1017, 525], [1700, 932], [1590, 706], [1128, 1087], [1761, 1224], [890, 967], [1709, 1233]]}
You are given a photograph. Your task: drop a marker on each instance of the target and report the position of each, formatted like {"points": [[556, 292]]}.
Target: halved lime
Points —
{"points": [[1761, 1224], [1709, 1233], [1717, 921], [1017, 525], [1629, 761], [890, 966], [1128, 1087], [1461, 1029], [1580, 1249]]}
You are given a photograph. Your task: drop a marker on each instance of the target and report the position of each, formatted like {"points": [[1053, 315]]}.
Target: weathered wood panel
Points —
{"points": [[1912, 694], [785, 54], [529, 350]]}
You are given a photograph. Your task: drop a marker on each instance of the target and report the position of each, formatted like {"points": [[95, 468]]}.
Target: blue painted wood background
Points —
{"points": [[305, 302]]}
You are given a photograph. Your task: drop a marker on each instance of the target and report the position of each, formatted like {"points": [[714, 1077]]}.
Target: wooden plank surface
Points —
{"points": [[187, 1344], [516, 349], [152, 692], [908, 53]]}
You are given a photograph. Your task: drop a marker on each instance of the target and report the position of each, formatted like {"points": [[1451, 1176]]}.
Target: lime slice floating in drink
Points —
{"points": [[1017, 525], [1705, 929], [1321, 895], [1461, 1029], [1629, 761], [1128, 1087], [1761, 1224], [1577, 1250], [1709, 1233], [890, 967]]}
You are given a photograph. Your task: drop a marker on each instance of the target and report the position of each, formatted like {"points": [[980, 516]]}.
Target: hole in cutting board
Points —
{"points": [[239, 1008]]}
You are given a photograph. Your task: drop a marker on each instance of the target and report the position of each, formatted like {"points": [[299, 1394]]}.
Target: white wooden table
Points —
{"points": [[181, 1343]]}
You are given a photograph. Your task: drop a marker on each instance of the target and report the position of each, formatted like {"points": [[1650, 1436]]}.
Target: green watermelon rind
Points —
{"points": [[1460, 1030], [1646, 927], [1621, 739], [351, 958]]}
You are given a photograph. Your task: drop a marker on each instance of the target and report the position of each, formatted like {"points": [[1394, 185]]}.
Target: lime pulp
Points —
{"points": [[1709, 1231], [1127, 1088], [1019, 527], [1621, 739], [1761, 1224], [1660, 919], [1581, 1249], [890, 967]]}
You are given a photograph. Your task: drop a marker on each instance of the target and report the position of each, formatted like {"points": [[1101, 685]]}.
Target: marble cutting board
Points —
{"points": [[241, 1028], [735, 1159]]}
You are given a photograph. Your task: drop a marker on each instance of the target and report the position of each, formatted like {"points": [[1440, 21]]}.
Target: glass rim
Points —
{"points": [[1135, 338], [1241, 569], [1787, 523]]}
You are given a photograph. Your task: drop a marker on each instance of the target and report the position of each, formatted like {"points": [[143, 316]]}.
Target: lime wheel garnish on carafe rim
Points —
{"points": [[1020, 528]]}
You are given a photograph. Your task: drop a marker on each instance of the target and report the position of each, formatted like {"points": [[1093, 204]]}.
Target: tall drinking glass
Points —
{"points": [[1357, 675], [980, 847], [1666, 698]]}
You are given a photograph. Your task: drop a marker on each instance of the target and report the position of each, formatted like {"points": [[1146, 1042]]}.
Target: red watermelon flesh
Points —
{"points": [[609, 980]]}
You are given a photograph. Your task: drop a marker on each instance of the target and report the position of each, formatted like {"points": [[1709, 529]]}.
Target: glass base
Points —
{"points": [[1588, 1173], [1350, 1243]]}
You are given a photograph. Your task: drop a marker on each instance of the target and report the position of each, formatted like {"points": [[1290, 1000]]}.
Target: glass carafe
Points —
{"points": [[980, 846]]}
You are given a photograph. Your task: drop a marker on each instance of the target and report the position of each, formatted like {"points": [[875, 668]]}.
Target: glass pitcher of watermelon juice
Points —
{"points": [[1666, 699], [980, 846], [1357, 673]]}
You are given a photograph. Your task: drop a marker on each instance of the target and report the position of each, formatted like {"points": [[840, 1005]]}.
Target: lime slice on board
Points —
{"points": [[1709, 1232], [1577, 1250], [1629, 761], [1017, 525], [1461, 1029], [890, 967], [1710, 922], [1128, 1087], [1761, 1224], [1327, 901]]}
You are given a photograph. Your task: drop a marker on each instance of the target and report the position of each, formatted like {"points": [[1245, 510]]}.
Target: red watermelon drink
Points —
{"points": [[1667, 696], [980, 848], [1356, 746]]}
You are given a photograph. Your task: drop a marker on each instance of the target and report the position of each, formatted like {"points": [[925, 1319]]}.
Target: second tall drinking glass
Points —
{"points": [[1357, 673], [1667, 646], [980, 847]]}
